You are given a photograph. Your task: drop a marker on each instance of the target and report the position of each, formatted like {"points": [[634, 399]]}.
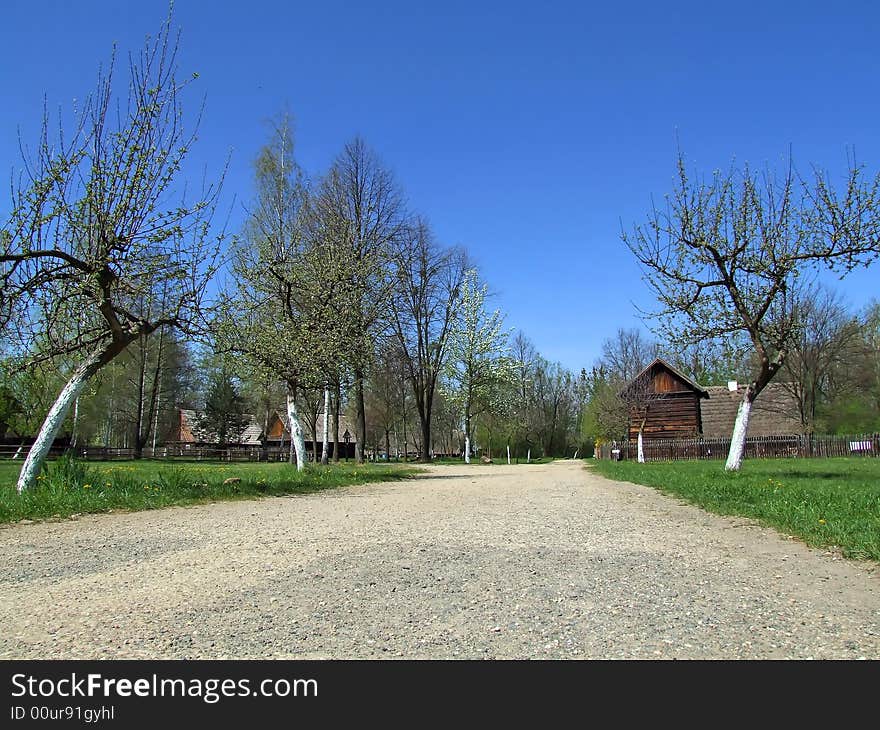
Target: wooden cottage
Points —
{"points": [[187, 431], [665, 402], [278, 434]]}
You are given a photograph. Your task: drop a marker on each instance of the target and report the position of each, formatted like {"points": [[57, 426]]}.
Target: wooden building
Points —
{"points": [[187, 431], [774, 412], [278, 434], [664, 402], [671, 405]]}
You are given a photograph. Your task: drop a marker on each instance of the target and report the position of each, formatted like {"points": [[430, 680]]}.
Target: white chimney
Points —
{"points": [[731, 386]]}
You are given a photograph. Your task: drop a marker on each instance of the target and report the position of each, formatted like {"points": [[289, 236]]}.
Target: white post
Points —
{"points": [[508, 454], [738, 440], [296, 433], [529, 457]]}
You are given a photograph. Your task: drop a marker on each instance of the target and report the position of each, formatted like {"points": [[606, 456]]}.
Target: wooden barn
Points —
{"points": [[666, 401]]}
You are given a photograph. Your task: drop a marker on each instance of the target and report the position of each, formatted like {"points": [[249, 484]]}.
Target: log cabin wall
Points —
{"points": [[674, 414], [677, 415]]}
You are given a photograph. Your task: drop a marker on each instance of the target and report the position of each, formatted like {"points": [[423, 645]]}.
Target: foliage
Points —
{"points": [[224, 409], [94, 257], [478, 367]]}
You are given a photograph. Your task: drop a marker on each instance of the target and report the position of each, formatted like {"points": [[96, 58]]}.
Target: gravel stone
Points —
{"points": [[493, 562]]}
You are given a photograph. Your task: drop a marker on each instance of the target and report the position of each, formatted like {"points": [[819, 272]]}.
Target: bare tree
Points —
{"points": [[95, 254], [626, 354], [722, 257], [427, 279], [827, 341]]}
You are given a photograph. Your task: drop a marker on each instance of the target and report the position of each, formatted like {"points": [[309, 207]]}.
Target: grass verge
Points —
{"points": [[68, 487], [833, 503]]}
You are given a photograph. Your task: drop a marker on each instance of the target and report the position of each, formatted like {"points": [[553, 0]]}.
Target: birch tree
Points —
{"points": [[478, 362], [281, 311], [722, 258], [95, 235], [361, 204]]}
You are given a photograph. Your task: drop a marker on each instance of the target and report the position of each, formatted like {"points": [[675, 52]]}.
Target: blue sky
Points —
{"points": [[524, 131]]}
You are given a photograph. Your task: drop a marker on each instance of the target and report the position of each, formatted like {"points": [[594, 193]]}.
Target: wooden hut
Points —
{"points": [[664, 402]]}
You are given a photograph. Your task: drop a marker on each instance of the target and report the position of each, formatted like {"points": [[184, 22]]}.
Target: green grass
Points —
{"points": [[67, 487], [832, 503]]}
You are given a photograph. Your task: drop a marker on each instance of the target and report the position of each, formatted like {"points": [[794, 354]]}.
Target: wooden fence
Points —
{"points": [[180, 453], [756, 447]]}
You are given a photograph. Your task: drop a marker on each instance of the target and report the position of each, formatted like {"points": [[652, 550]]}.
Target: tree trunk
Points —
{"points": [[336, 407], [361, 425], [467, 436], [75, 423], [325, 451], [738, 440], [141, 396], [641, 448], [296, 432], [155, 394], [405, 443], [508, 454], [426, 439], [388, 444], [55, 417]]}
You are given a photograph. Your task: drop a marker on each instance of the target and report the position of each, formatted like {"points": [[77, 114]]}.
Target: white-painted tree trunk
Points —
{"points": [[467, 449], [641, 449], [738, 440], [49, 430], [296, 433], [325, 446], [73, 435], [508, 455]]}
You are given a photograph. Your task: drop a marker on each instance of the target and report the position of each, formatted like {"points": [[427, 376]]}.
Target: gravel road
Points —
{"points": [[539, 561]]}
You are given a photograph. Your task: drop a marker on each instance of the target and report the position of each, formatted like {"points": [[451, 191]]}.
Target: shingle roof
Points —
{"points": [[675, 371], [344, 426], [190, 430], [774, 411]]}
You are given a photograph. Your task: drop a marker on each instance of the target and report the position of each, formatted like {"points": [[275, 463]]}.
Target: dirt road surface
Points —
{"points": [[538, 561]]}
